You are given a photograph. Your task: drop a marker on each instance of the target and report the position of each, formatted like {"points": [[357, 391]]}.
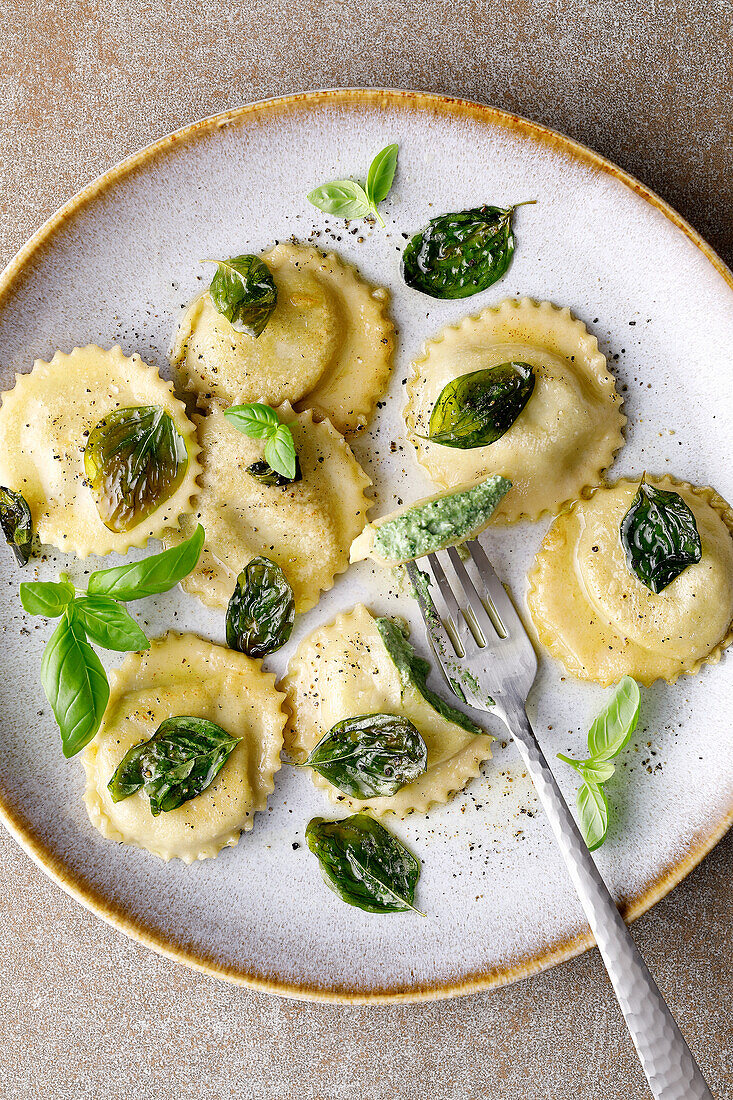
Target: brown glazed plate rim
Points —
{"points": [[633, 906]]}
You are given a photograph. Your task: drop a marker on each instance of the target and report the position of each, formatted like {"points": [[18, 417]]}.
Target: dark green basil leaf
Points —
{"points": [[134, 460], [414, 671], [476, 409], [261, 612], [659, 536], [16, 523], [457, 255], [364, 864], [47, 598], [371, 756], [75, 683], [264, 473], [243, 290], [181, 759], [155, 574], [108, 624]]}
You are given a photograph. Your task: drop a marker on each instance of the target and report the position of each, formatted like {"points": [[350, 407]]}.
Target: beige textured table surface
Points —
{"points": [[87, 1013]]}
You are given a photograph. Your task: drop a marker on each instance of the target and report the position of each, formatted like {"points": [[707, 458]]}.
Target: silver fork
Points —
{"points": [[488, 659]]}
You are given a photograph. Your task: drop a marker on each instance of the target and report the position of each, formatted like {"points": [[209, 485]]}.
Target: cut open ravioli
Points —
{"points": [[45, 422], [594, 614], [566, 434], [434, 523], [327, 346], [306, 527], [345, 669], [183, 675]]}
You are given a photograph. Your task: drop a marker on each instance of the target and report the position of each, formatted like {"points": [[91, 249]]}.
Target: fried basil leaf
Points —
{"points": [[75, 683], [457, 255], [659, 536], [16, 523], [134, 460], [370, 756], [157, 573], [364, 864], [181, 759], [476, 409], [264, 473], [243, 290], [261, 612]]}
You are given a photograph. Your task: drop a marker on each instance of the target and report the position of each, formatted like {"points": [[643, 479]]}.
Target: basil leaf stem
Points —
{"points": [[660, 537], [261, 422], [365, 864], [150, 576], [348, 199], [244, 291], [74, 682], [16, 523]]}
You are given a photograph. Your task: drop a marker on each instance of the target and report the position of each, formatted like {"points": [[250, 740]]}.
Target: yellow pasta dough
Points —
{"points": [[327, 346], [306, 527], [183, 675], [343, 670], [567, 433], [593, 613], [44, 425]]}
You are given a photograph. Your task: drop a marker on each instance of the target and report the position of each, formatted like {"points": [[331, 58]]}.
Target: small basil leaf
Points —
{"points": [[413, 671], [258, 421], [343, 198], [263, 472], [371, 756], [457, 255], [181, 759], [596, 771], [158, 573], [660, 537], [381, 174], [612, 729], [75, 683], [243, 290], [134, 460], [364, 864], [16, 523], [280, 452], [47, 598], [593, 812], [261, 611], [476, 409], [109, 625]]}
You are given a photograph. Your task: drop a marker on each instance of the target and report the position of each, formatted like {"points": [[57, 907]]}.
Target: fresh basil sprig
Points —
{"points": [[261, 422], [457, 255], [364, 864], [660, 537], [370, 756], [16, 523], [476, 409], [261, 611], [72, 675], [244, 291], [610, 733], [348, 199], [134, 459], [181, 759]]}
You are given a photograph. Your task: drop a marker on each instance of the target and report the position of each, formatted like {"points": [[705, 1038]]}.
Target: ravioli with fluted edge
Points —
{"points": [[306, 527], [564, 436], [594, 614], [345, 669], [45, 422], [182, 674], [327, 345]]}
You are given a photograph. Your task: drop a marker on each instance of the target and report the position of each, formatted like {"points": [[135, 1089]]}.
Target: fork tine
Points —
{"points": [[441, 642], [473, 597], [495, 590], [460, 625]]}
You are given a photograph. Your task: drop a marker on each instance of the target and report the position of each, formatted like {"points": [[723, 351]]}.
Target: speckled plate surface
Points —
{"points": [[116, 265]]}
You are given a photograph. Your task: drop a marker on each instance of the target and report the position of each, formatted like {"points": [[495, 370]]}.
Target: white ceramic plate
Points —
{"points": [[117, 264]]}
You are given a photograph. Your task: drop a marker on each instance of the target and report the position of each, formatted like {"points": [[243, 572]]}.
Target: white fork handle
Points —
{"points": [[672, 1072]]}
